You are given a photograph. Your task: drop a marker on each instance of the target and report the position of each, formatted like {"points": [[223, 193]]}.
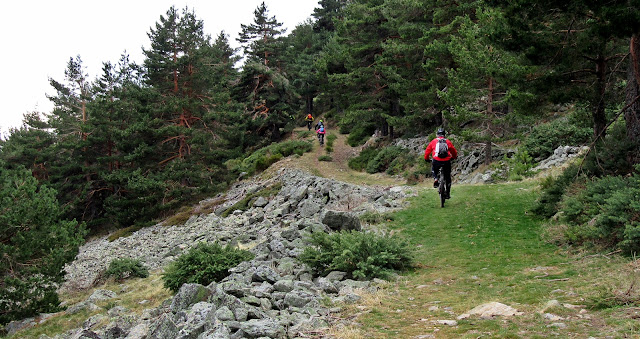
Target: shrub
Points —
{"points": [[263, 158], [392, 159], [544, 139], [359, 163], [361, 255], [606, 212], [325, 158], [607, 158], [203, 264], [124, 268], [553, 190], [360, 134]]}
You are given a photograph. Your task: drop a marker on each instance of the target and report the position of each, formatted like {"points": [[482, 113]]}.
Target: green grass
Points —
{"points": [[485, 246]]}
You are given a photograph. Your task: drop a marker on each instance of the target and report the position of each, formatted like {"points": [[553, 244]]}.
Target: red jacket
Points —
{"points": [[431, 149]]}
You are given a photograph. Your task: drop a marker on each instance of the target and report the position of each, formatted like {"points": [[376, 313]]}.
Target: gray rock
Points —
{"points": [[309, 208], [265, 273], [116, 311], [139, 331], [256, 328], [98, 295], [218, 331], [224, 314], [261, 202], [326, 285], [188, 295], [85, 305], [341, 221], [336, 275], [283, 285], [298, 298], [164, 328]]}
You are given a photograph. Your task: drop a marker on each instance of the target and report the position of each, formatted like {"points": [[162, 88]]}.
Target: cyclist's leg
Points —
{"points": [[446, 169], [435, 168]]}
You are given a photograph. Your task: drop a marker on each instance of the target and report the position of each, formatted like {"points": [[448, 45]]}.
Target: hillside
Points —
{"points": [[483, 249]]}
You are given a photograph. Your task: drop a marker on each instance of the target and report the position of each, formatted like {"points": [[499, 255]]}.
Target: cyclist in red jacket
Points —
{"points": [[442, 160]]}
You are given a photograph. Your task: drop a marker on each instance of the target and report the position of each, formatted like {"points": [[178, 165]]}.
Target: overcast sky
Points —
{"points": [[39, 36]]}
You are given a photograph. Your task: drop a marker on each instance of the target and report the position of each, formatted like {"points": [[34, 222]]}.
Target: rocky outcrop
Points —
{"points": [[472, 156], [271, 296]]}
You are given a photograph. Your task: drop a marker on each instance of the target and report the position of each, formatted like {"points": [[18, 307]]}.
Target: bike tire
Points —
{"points": [[442, 190]]}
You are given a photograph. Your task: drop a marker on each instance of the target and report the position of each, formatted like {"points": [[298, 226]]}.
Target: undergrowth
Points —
{"points": [[203, 264], [362, 255]]}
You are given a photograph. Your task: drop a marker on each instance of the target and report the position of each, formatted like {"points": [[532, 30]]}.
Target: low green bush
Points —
{"points": [[361, 255], [392, 160], [203, 264], [359, 134], [325, 158], [606, 213], [359, 163], [124, 268], [553, 190], [543, 139], [608, 158], [261, 159]]}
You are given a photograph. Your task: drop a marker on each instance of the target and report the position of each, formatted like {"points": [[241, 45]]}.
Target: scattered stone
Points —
{"points": [[447, 322], [492, 309], [98, 295]]}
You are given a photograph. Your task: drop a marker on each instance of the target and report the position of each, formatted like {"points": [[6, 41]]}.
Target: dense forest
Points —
{"points": [[138, 141]]}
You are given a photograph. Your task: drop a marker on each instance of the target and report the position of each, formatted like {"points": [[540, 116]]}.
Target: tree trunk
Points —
{"points": [[599, 115], [487, 148], [309, 105], [632, 114]]}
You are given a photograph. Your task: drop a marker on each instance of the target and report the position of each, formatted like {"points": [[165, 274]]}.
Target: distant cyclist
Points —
{"points": [[319, 124], [442, 151], [321, 132], [309, 120]]}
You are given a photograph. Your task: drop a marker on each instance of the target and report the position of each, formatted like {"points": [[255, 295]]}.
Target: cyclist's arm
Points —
{"points": [[428, 151], [453, 151]]}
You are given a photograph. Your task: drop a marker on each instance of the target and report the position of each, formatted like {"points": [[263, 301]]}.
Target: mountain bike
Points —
{"points": [[442, 187]]}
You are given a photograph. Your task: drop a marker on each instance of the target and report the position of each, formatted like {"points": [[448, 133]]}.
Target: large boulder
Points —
{"points": [[341, 221], [188, 295]]}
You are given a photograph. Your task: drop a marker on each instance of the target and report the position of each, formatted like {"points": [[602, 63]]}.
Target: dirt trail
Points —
{"points": [[337, 168]]}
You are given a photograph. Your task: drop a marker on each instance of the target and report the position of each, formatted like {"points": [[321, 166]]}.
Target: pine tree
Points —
{"points": [[70, 174], [362, 84], [581, 41], [260, 39], [263, 86], [482, 87], [35, 245]]}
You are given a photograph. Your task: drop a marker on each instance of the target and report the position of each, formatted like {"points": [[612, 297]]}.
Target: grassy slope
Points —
{"points": [[484, 247]]}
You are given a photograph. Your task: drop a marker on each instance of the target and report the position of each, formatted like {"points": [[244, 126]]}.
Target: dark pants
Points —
{"points": [[436, 165]]}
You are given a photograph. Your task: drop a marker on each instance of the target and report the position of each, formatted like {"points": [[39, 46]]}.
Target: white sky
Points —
{"points": [[39, 36]]}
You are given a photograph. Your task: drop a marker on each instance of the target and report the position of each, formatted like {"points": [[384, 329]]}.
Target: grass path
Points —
{"points": [[484, 247]]}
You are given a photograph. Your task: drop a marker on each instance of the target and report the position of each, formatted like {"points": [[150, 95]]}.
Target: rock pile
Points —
{"points": [[271, 296]]}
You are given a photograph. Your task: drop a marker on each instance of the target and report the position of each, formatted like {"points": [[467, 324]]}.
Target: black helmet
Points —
{"points": [[441, 132]]}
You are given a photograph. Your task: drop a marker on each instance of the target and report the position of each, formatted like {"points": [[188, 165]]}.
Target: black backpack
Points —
{"points": [[442, 149]]}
